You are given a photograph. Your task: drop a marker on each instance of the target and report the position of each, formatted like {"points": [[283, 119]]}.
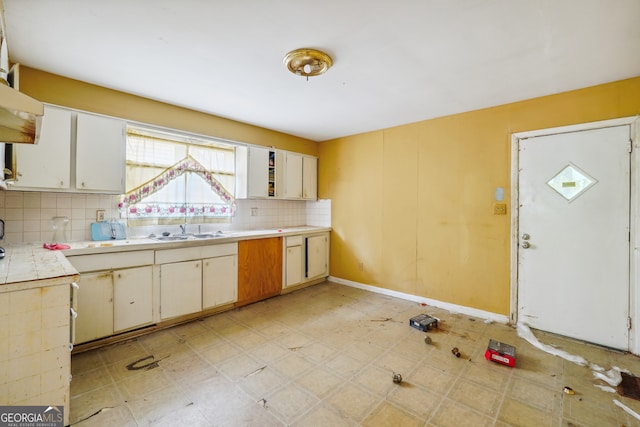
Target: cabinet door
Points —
{"points": [[310, 178], [180, 288], [100, 154], [95, 307], [219, 281], [294, 266], [316, 256], [46, 164], [132, 297], [293, 176], [258, 179], [259, 269]]}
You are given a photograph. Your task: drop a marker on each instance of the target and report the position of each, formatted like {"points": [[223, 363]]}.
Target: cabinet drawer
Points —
{"points": [[294, 241], [97, 262], [199, 252]]}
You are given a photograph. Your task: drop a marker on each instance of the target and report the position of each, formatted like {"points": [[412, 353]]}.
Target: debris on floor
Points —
{"points": [[257, 371], [613, 376], [427, 340], [629, 386], [263, 403], [626, 409], [525, 333], [423, 322], [605, 388], [386, 319], [137, 365], [500, 352], [455, 351], [568, 390], [397, 378]]}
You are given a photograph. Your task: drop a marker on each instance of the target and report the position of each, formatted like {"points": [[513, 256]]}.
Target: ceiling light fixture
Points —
{"points": [[307, 62]]}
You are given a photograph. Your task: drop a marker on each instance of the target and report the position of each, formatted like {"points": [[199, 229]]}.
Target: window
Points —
{"points": [[177, 178]]}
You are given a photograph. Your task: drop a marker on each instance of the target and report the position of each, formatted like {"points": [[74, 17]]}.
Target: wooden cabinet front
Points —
{"points": [[259, 269]]}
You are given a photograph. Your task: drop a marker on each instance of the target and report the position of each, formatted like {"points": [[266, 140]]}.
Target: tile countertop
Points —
{"points": [[29, 265]]}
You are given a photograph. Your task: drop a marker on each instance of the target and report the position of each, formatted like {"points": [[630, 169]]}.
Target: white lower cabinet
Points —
{"points": [[219, 281], [197, 278], [294, 263], [132, 302], [306, 258], [115, 294], [180, 288], [95, 307], [316, 257]]}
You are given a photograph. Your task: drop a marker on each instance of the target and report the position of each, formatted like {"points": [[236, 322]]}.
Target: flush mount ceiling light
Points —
{"points": [[307, 62]]}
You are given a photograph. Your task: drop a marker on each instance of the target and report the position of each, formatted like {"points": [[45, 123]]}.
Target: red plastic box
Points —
{"points": [[501, 353]]}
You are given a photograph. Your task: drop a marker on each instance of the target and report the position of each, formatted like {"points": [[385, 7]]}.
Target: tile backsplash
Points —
{"points": [[28, 215]]}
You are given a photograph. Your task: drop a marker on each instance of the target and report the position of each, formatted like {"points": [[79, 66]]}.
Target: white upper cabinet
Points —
{"points": [[263, 173], [258, 172], [293, 176], [100, 156], [47, 164], [72, 144], [309, 178]]}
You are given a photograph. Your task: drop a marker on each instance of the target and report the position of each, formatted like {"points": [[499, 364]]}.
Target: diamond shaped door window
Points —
{"points": [[571, 182]]}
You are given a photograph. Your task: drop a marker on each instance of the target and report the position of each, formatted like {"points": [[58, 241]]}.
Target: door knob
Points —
{"points": [[526, 245], [525, 236]]}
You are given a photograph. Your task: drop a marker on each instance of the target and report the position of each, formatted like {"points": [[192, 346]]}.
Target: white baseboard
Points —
{"points": [[454, 308]]}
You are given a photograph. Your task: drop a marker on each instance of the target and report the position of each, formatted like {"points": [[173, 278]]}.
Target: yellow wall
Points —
{"points": [[54, 89], [412, 206]]}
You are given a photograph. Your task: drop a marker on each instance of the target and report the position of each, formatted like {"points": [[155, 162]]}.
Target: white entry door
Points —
{"points": [[573, 226]]}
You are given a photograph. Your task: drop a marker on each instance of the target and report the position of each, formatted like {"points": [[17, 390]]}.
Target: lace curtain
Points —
{"points": [[176, 177]]}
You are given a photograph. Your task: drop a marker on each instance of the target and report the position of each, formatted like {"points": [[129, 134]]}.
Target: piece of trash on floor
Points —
{"points": [[568, 390], [423, 322], [427, 340], [626, 409], [488, 321], [455, 351], [613, 376], [605, 388], [257, 371], [397, 378], [138, 365], [500, 352], [629, 386], [263, 403], [525, 333]]}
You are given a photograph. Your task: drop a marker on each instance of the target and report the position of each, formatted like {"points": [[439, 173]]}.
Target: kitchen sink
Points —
{"points": [[170, 238], [206, 236]]}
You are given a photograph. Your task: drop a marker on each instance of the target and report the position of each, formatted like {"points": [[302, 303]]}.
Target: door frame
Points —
{"points": [[634, 220]]}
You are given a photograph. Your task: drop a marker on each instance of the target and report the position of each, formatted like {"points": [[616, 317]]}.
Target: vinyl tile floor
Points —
{"points": [[325, 356]]}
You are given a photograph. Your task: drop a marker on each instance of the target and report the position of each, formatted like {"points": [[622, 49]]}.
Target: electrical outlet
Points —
{"points": [[500, 209], [100, 215], [254, 211]]}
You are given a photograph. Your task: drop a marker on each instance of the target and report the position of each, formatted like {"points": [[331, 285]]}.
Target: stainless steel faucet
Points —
{"points": [[183, 227]]}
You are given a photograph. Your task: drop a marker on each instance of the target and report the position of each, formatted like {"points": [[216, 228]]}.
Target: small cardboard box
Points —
{"points": [[501, 353], [423, 322]]}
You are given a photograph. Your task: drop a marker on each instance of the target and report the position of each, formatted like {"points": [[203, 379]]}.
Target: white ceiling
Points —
{"points": [[395, 62]]}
